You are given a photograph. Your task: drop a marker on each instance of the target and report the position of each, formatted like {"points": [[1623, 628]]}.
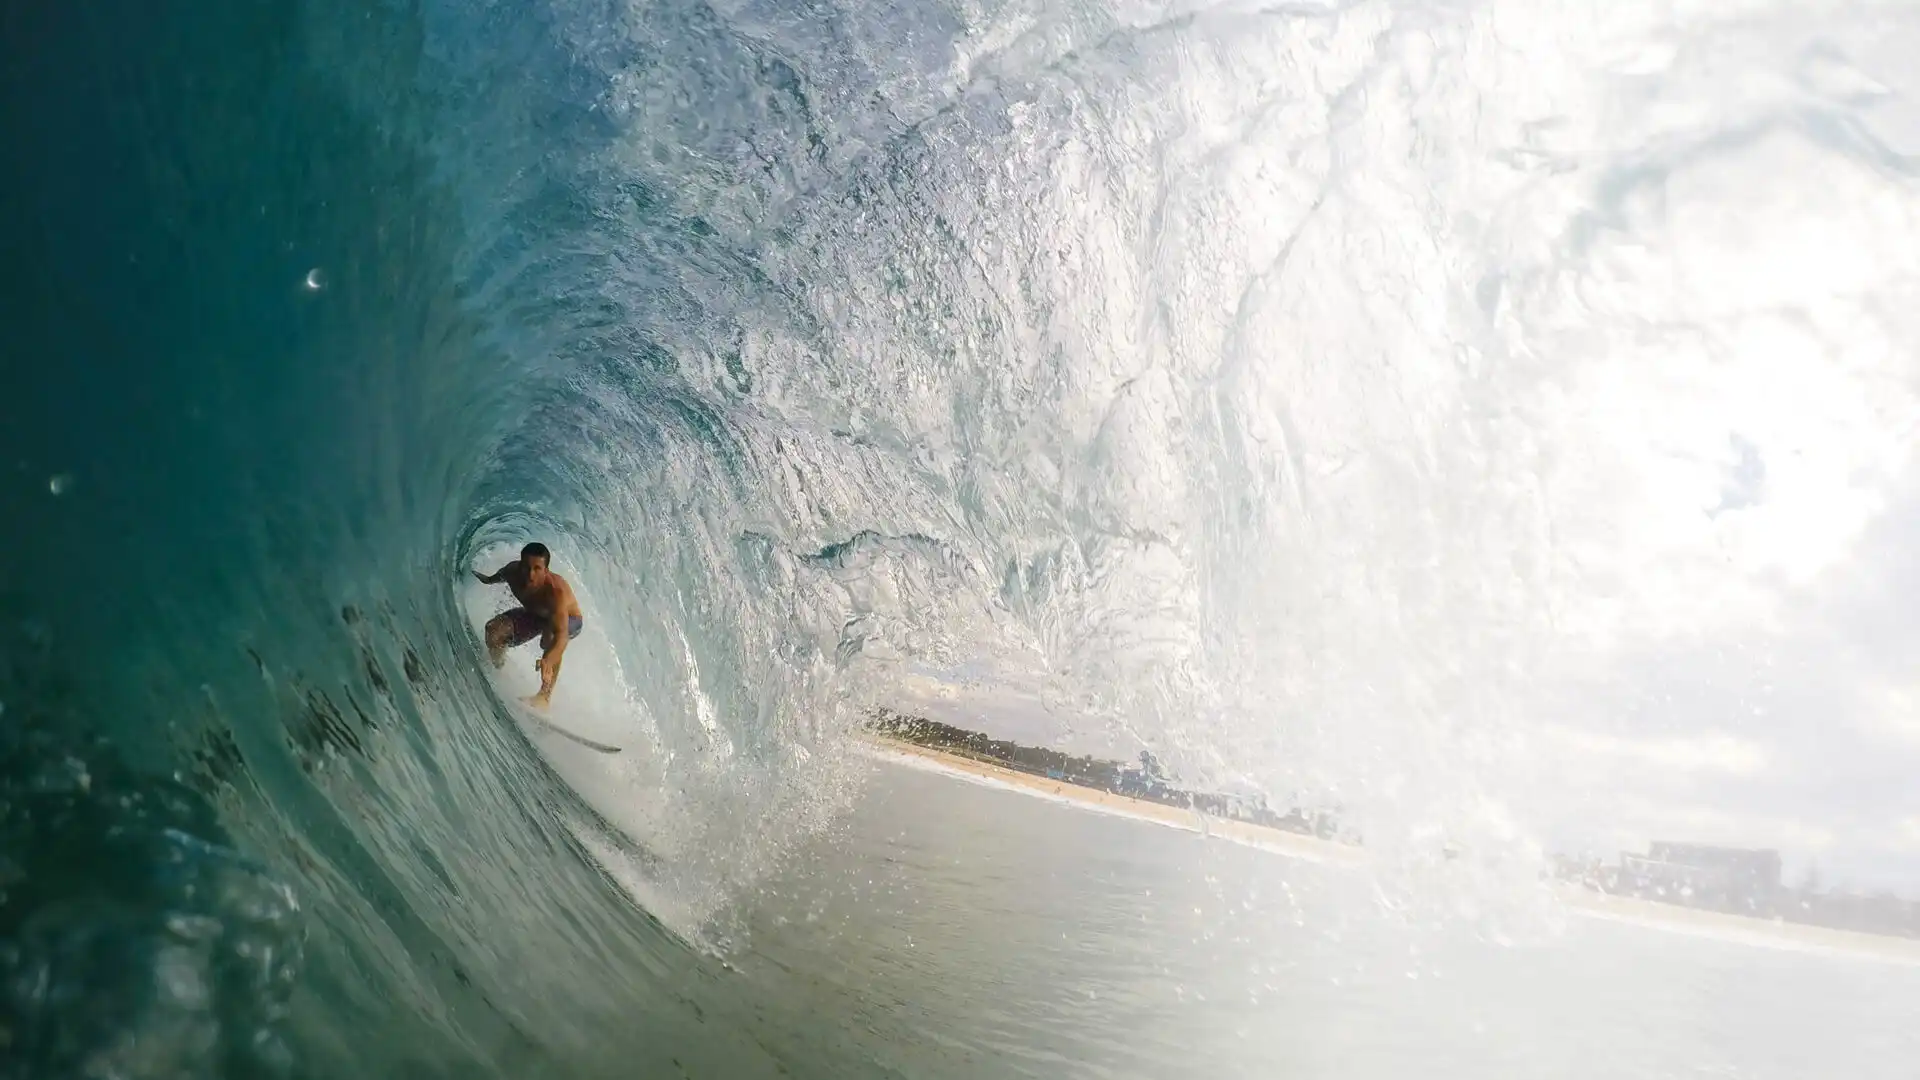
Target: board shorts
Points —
{"points": [[525, 626]]}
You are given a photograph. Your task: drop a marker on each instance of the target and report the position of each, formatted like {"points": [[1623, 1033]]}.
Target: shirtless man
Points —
{"points": [[547, 611]]}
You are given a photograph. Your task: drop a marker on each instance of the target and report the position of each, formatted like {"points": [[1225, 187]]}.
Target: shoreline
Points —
{"points": [[1578, 900], [1277, 841], [1740, 929]]}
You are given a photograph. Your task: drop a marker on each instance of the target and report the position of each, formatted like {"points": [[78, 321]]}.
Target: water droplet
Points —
{"points": [[60, 483], [316, 280]]}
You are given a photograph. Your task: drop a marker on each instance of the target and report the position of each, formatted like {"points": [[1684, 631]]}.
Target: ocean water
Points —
{"points": [[1365, 405], [1124, 949]]}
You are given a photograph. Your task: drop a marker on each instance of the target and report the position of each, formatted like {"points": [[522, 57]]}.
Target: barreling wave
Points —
{"points": [[1225, 373]]}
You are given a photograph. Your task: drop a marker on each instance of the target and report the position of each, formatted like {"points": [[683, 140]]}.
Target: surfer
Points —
{"points": [[548, 611]]}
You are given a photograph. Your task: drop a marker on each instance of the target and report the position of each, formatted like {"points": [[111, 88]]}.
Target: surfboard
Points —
{"points": [[548, 725]]}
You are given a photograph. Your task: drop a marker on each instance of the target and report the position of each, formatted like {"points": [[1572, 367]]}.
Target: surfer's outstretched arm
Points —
{"points": [[555, 640], [494, 578], [550, 660]]}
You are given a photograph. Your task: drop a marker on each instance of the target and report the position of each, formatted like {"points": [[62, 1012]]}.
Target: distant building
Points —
{"points": [[1743, 879], [1147, 781], [1754, 871]]}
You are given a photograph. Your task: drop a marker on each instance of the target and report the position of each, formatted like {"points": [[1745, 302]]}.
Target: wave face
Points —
{"points": [[1350, 403]]}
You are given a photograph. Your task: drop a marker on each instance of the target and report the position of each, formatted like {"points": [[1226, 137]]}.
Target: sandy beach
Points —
{"points": [[1763, 933], [1278, 841]]}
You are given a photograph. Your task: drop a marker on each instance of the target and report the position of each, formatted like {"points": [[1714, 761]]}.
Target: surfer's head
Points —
{"points": [[535, 558]]}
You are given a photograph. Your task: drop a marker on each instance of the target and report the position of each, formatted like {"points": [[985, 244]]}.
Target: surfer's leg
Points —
{"points": [[515, 626], [499, 634]]}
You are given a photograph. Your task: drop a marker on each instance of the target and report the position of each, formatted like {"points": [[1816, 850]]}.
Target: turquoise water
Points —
{"points": [[1186, 373]]}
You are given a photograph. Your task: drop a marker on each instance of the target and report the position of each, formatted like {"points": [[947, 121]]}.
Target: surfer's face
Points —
{"points": [[536, 571]]}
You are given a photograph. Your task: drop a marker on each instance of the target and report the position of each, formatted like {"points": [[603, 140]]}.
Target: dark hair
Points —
{"points": [[537, 550]]}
